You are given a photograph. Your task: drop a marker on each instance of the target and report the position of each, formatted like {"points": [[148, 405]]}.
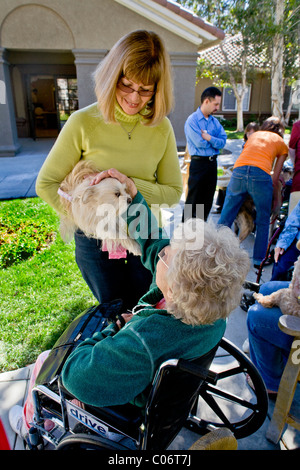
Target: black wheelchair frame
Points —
{"points": [[173, 403]]}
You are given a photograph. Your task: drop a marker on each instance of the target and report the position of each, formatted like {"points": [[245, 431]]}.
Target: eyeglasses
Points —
{"points": [[162, 254], [128, 89]]}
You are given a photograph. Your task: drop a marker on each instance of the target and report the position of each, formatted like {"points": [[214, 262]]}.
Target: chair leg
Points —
{"points": [[284, 400], [218, 439]]}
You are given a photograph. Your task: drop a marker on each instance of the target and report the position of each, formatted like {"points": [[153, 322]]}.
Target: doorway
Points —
{"points": [[51, 99]]}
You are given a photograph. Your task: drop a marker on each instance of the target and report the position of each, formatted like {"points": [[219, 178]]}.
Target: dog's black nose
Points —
{"points": [[129, 200]]}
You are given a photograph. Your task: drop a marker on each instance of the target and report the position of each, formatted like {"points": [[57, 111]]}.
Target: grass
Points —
{"points": [[41, 287], [234, 134]]}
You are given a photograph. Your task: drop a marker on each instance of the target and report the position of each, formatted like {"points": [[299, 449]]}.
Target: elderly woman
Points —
{"points": [[198, 279], [197, 282], [126, 128]]}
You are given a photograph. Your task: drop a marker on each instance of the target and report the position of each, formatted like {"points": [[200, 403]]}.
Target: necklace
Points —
{"points": [[128, 132]]}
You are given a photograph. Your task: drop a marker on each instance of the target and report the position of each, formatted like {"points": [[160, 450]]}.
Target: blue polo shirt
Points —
{"points": [[196, 144]]}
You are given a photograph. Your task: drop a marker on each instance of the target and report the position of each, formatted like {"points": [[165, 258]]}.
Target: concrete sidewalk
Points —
{"points": [[18, 174]]}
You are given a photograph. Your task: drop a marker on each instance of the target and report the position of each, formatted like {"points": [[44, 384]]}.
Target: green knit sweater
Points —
{"points": [[149, 157], [115, 367]]}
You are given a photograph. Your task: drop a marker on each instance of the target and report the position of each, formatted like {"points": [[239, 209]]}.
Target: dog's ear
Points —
{"points": [[88, 194]]}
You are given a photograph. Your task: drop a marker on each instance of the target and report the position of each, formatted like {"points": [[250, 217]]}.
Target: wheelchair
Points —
{"points": [[192, 394]]}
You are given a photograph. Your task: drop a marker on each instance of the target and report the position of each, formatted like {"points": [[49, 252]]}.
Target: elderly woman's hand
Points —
{"points": [[278, 252], [113, 173], [126, 317]]}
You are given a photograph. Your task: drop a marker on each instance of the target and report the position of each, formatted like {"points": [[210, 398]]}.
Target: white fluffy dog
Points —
{"points": [[288, 300], [96, 210]]}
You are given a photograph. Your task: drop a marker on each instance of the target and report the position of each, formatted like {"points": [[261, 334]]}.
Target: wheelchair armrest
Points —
{"points": [[290, 325], [254, 286], [201, 372]]}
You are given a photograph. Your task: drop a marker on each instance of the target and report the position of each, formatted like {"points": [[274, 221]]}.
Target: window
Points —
{"points": [[229, 100], [67, 98], [286, 98]]}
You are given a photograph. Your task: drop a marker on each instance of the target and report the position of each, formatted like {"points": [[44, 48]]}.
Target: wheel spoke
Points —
{"points": [[216, 408], [212, 394], [230, 397]]}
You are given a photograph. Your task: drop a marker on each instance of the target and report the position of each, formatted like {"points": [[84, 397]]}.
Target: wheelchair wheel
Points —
{"points": [[84, 441], [242, 411]]}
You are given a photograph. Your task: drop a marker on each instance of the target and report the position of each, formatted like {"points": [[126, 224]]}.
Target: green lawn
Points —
{"points": [[40, 293]]}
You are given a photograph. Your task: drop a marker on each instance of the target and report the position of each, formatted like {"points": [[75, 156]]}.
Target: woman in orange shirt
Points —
{"points": [[252, 174]]}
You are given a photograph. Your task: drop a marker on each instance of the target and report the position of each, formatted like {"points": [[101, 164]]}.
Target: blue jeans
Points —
{"points": [[111, 279], [256, 182], [269, 346]]}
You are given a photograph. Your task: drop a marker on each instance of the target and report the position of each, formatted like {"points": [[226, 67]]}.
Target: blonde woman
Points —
{"points": [[126, 128]]}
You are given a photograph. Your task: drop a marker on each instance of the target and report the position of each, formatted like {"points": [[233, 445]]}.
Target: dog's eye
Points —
{"points": [[118, 194]]}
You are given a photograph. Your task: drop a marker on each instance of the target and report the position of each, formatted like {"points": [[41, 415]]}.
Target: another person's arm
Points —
{"points": [[289, 233], [276, 188]]}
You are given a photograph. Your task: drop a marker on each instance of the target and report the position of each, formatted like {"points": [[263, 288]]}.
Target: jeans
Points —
{"points": [[256, 182], [269, 346], [111, 279]]}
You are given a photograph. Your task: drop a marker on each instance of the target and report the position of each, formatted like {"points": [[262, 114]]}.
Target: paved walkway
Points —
{"points": [[17, 178], [18, 174]]}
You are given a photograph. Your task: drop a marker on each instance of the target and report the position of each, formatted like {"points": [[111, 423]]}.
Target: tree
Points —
{"points": [[235, 74], [268, 27], [232, 17], [277, 28]]}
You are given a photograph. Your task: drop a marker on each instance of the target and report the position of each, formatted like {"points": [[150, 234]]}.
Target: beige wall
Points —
{"points": [[64, 25], [260, 98], [86, 30]]}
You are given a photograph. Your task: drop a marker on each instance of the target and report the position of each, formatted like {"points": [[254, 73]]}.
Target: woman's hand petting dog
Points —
{"points": [[113, 173]]}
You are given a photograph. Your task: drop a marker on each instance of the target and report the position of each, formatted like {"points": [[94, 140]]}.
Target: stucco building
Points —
{"points": [[49, 50]]}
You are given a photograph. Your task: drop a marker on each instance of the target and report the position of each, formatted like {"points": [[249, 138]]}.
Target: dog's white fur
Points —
{"points": [[96, 209], [286, 299]]}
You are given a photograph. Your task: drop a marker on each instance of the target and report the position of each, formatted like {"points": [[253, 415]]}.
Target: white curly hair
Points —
{"points": [[206, 273]]}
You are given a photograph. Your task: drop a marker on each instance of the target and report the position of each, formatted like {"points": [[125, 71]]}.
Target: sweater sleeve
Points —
{"points": [[109, 371], [143, 227]]}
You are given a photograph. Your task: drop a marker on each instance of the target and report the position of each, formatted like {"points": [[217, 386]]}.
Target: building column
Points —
{"points": [[86, 61], [184, 75], [9, 144]]}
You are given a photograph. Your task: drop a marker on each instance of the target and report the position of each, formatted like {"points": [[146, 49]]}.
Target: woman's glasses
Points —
{"points": [[128, 89], [162, 254]]}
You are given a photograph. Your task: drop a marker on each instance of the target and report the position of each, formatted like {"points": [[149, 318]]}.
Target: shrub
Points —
{"points": [[23, 232]]}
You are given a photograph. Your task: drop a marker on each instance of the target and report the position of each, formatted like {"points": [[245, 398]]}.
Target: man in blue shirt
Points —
{"points": [[205, 138]]}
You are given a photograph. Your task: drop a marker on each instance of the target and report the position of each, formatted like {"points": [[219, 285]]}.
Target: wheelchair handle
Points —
{"points": [[199, 371]]}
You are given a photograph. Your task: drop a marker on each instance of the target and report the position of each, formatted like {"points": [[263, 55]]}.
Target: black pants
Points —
{"points": [[111, 279], [201, 188]]}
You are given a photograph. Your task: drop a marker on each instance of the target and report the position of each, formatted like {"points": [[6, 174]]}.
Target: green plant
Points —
{"points": [[41, 294], [20, 235]]}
